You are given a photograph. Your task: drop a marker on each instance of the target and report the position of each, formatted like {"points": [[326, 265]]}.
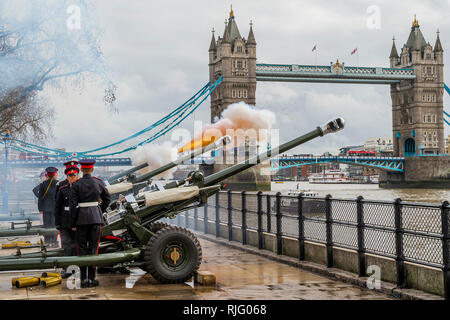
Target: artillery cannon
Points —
{"points": [[128, 175], [125, 181], [133, 236]]}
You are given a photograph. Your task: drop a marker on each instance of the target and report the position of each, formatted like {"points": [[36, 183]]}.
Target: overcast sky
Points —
{"points": [[158, 51]]}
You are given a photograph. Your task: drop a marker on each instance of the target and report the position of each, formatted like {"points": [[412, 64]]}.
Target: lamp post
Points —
{"points": [[5, 139]]}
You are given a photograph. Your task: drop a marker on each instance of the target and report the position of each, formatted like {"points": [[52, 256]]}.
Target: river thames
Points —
{"points": [[368, 191]]}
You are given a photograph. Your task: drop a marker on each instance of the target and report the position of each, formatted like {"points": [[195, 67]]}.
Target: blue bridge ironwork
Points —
{"points": [[43, 163], [334, 73], [384, 163]]}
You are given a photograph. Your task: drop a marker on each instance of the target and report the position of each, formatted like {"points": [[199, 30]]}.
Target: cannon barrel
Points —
{"points": [[122, 175], [117, 178], [215, 145], [33, 231], [66, 261], [330, 127], [20, 217]]}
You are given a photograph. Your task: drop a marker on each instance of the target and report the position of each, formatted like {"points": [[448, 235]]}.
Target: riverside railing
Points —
{"points": [[404, 231]]}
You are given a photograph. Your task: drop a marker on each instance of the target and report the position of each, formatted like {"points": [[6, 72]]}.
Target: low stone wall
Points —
{"points": [[418, 277], [420, 172]]}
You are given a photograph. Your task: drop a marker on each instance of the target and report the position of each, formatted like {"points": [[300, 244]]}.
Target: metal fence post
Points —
{"points": [[361, 250], [329, 231], [445, 248], [301, 228], [186, 219], [230, 224], [269, 220], [196, 219], [244, 217], [205, 218], [399, 243], [179, 220], [278, 218], [259, 212], [217, 215]]}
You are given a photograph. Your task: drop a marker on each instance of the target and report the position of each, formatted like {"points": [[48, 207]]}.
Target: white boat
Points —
{"points": [[306, 192], [329, 177]]}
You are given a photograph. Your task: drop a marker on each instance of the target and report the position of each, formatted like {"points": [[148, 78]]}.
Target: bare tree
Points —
{"points": [[40, 45], [29, 119]]}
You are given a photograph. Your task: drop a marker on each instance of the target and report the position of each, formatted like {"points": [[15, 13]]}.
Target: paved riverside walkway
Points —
{"points": [[240, 275]]}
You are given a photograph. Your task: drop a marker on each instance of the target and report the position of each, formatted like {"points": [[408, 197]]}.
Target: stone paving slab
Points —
{"points": [[388, 289], [240, 275]]}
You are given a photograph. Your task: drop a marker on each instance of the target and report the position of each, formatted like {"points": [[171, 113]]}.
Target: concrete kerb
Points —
{"points": [[332, 273]]}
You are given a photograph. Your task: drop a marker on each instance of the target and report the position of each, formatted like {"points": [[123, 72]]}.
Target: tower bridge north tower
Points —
{"points": [[234, 58]]}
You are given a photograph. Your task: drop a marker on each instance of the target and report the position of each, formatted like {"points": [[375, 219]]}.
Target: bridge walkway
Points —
{"points": [[239, 275]]}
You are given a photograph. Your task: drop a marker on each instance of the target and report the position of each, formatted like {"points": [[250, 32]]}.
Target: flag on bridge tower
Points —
{"points": [[315, 49], [354, 51]]}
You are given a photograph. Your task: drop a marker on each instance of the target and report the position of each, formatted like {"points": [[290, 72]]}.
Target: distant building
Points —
{"points": [[355, 173], [378, 145], [303, 172], [381, 147]]}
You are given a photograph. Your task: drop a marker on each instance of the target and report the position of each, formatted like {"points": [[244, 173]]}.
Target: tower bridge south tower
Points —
{"points": [[417, 105]]}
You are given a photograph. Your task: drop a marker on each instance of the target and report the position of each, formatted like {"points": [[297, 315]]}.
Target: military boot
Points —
{"points": [[85, 283], [93, 283]]}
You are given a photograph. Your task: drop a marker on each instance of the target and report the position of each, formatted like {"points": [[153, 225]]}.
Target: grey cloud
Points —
{"points": [[158, 52]]}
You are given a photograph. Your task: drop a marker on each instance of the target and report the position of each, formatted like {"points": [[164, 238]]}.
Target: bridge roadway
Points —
{"points": [[383, 163], [334, 73], [106, 162], [239, 275]]}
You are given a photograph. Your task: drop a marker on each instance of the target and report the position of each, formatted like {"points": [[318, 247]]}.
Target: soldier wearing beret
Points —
{"points": [[89, 200], [46, 203]]}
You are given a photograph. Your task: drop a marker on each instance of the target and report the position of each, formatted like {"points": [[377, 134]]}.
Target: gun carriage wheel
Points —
{"points": [[173, 255], [158, 225]]}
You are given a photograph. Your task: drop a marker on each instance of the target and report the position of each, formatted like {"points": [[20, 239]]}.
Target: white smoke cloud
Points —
{"points": [[156, 155], [239, 120], [252, 121], [244, 116]]}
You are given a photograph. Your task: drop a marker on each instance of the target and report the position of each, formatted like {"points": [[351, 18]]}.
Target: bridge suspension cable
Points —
{"points": [[445, 113], [447, 121], [142, 137]]}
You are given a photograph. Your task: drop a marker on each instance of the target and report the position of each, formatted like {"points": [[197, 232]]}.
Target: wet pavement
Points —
{"points": [[239, 275]]}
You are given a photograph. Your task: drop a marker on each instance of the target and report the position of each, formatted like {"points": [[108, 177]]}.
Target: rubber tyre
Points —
{"points": [[192, 253], [156, 226]]}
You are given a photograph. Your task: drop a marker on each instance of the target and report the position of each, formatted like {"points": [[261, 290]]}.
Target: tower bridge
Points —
{"points": [[415, 77]]}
